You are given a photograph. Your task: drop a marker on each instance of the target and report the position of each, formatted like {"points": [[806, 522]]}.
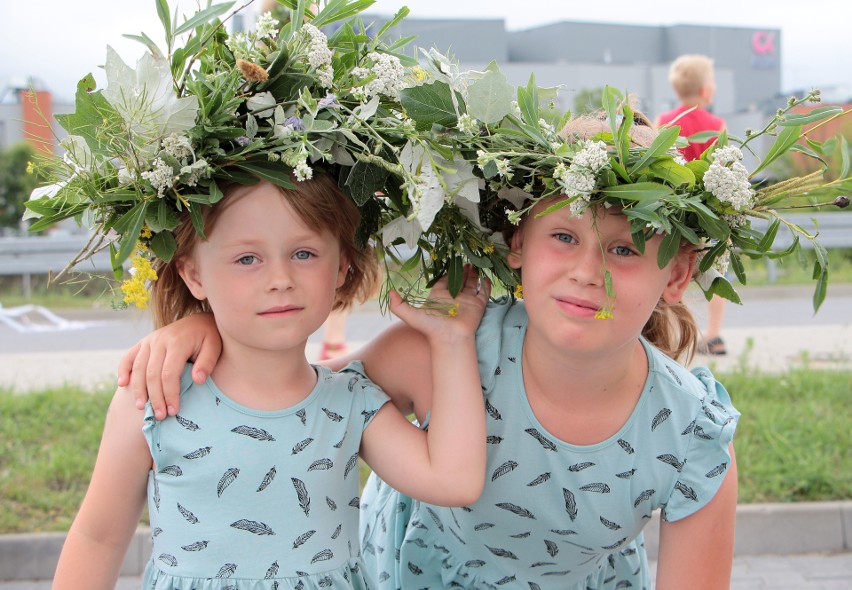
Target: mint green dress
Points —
{"points": [[556, 515], [248, 499]]}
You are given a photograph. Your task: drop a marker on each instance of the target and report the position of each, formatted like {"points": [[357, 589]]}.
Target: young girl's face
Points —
{"points": [[561, 258], [270, 280]]}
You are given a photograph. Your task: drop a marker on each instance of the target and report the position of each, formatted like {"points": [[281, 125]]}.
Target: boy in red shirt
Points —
{"points": [[692, 78]]}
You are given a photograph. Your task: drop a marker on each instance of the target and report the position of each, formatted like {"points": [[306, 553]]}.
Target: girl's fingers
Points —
{"points": [[125, 365]]}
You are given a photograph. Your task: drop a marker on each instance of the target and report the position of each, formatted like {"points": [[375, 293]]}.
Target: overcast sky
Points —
{"points": [[59, 41]]}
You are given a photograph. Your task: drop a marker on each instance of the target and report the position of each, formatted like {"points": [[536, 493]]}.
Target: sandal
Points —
{"points": [[332, 349], [714, 346]]}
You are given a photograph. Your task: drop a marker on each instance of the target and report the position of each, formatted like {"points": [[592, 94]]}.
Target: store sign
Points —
{"points": [[764, 52]]}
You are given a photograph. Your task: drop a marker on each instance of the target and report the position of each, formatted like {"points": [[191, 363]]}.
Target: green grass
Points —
{"points": [[793, 444]]}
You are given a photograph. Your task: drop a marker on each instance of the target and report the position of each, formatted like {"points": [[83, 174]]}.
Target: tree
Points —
{"points": [[15, 184]]}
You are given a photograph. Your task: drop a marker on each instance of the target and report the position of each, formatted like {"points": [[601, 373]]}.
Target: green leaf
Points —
{"points": [[92, 114], [165, 18], [816, 114], [638, 191], [412, 262], [786, 138], [129, 226], [669, 247], [661, 145], [844, 157], [528, 101], [737, 266], [195, 215], [455, 275], [365, 180], [723, 288], [769, 237], [397, 18], [610, 98], [203, 16], [338, 10], [490, 97], [699, 168], [820, 290], [673, 173], [430, 104], [275, 172], [163, 245]]}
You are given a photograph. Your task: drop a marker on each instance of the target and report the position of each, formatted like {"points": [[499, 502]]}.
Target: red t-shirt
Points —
{"points": [[693, 122]]}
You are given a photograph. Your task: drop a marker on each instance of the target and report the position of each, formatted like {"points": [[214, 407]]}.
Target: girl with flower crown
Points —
{"points": [[591, 425], [255, 484]]}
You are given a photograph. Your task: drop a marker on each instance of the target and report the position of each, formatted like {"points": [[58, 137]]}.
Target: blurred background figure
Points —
{"points": [[692, 79]]}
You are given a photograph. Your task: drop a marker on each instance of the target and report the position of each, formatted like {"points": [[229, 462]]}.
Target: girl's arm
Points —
{"points": [[697, 552], [446, 464], [97, 542]]}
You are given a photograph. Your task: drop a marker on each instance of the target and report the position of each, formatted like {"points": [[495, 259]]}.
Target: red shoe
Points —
{"points": [[332, 349]]}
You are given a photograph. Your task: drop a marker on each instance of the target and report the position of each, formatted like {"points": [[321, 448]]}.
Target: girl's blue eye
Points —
{"points": [[623, 251], [246, 260], [567, 238], [303, 255]]}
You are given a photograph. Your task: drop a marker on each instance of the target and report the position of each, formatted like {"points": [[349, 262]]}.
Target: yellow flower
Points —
{"points": [[419, 73], [144, 234], [453, 311], [605, 313], [135, 288], [519, 291], [30, 167], [489, 248]]}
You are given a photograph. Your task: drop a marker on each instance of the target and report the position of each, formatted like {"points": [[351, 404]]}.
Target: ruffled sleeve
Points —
{"points": [[708, 456], [151, 426], [489, 340], [372, 395]]}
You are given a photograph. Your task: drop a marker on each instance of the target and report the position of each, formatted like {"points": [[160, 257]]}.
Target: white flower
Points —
{"points": [[727, 179], [386, 76], [503, 167], [679, 159], [266, 25], [577, 182], [146, 99], [483, 157], [194, 172], [593, 156], [238, 43], [177, 146], [125, 176], [468, 125], [319, 55], [302, 171], [721, 264], [162, 176]]}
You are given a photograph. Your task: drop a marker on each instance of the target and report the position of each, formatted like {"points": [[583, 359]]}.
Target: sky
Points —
{"points": [[59, 41]]}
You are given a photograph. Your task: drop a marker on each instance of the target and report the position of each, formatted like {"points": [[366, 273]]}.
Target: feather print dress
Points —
{"points": [[247, 499], [555, 515]]}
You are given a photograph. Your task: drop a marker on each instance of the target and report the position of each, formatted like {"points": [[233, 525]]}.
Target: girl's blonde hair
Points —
{"points": [[671, 327], [318, 202]]}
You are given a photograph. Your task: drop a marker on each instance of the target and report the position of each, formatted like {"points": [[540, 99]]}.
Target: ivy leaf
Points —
{"points": [[364, 181], [490, 97], [92, 113], [430, 104]]}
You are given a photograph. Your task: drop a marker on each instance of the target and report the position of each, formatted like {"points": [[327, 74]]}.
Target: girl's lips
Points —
{"points": [[280, 310], [578, 307]]}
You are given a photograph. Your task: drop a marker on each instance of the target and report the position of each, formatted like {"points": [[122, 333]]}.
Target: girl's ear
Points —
{"points": [[682, 269], [188, 271], [513, 258], [342, 271]]}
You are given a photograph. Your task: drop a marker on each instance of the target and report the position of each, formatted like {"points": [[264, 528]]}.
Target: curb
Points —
{"points": [[762, 529]]}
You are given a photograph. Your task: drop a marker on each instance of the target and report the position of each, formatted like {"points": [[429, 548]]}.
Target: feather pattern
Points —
{"points": [[609, 524], [189, 516], [227, 570], [323, 555], [642, 497], [188, 424], [670, 459], [626, 446], [577, 467], [552, 548], [570, 503], [540, 479], [252, 432], [198, 453], [626, 474], [168, 559], [302, 418], [227, 479], [501, 552], [542, 440], [493, 440], [660, 418], [302, 495], [197, 546], [253, 526], [503, 469], [334, 416], [718, 470], [350, 465], [301, 446], [687, 491], [321, 464], [492, 411], [600, 488], [174, 470], [267, 479], [301, 539], [515, 509], [272, 571], [435, 518]]}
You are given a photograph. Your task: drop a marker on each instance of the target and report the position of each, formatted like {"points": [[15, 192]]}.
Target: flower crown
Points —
{"points": [[437, 159]]}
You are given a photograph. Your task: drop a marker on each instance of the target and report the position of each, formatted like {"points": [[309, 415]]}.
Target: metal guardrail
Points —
{"points": [[44, 255]]}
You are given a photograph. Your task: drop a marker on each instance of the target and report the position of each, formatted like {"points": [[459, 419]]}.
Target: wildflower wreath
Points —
{"points": [[438, 160]]}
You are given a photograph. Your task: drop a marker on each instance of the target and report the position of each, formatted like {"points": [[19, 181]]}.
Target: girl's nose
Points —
{"points": [[588, 268], [280, 277]]}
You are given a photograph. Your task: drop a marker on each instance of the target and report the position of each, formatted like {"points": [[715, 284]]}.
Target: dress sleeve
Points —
{"points": [[489, 341], [151, 426], [708, 456], [372, 395]]}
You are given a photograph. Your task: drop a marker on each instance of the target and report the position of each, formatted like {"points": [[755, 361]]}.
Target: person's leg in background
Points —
{"points": [[334, 335]]}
